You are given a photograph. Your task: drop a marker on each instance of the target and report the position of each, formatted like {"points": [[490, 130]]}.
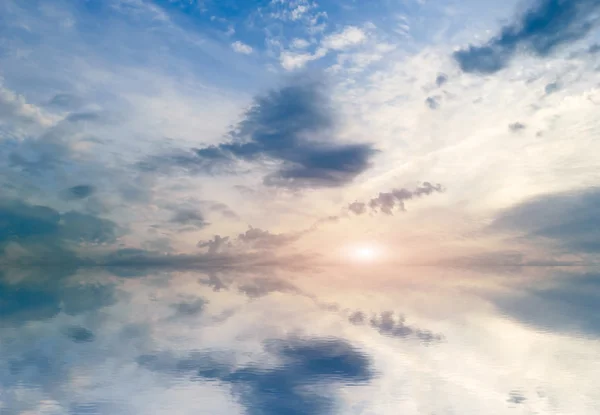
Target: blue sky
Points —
{"points": [[299, 207]]}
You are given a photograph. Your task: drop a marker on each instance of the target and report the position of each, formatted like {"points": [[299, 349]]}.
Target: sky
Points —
{"points": [[299, 207]]}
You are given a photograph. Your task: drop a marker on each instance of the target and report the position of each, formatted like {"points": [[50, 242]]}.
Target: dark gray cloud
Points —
{"points": [[516, 126], [569, 220], [189, 307], [432, 102], [81, 227], [80, 334], [516, 397], [389, 324], [44, 247], [394, 200], [80, 191], [288, 388], [259, 238], [215, 245], [358, 208], [40, 155], [214, 281], [294, 127], [189, 217], [43, 228], [551, 88], [595, 48], [263, 286], [441, 79], [45, 292], [547, 25]]}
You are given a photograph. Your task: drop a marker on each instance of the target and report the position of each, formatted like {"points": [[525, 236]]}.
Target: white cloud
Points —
{"points": [[300, 43], [16, 112], [291, 61], [241, 47], [292, 10], [350, 36]]}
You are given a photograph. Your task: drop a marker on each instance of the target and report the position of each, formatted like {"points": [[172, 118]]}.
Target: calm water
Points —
{"points": [[327, 341]]}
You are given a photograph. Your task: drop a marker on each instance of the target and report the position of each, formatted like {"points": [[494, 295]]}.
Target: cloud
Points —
{"points": [[350, 36], [132, 261], [81, 191], [516, 397], [441, 79], [389, 325], [43, 227], [432, 102], [80, 334], [282, 389], [65, 101], [189, 217], [190, 307], [570, 220], [42, 155], [516, 126], [509, 260], [215, 245], [262, 286], [45, 292], [358, 208], [593, 49], [82, 227], [17, 113], [388, 201], [299, 43], [294, 60], [241, 47], [293, 127], [259, 238], [221, 208], [548, 25], [564, 303], [551, 88]]}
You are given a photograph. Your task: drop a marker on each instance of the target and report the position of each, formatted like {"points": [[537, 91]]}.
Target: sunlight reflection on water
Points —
{"points": [[91, 342]]}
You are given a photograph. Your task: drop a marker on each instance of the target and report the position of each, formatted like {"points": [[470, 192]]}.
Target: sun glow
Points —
{"points": [[364, 253]]}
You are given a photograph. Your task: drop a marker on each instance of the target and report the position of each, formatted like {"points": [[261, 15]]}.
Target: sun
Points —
{"points": [[364, 252]]}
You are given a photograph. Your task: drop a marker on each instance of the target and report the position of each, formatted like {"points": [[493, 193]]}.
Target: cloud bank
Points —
{"points": [[546, 26]]}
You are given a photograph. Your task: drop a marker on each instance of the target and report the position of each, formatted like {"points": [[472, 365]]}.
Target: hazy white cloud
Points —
{"points": [[298, 43], [348, 37], [16, 113], [241, 47], [292, 60]]}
